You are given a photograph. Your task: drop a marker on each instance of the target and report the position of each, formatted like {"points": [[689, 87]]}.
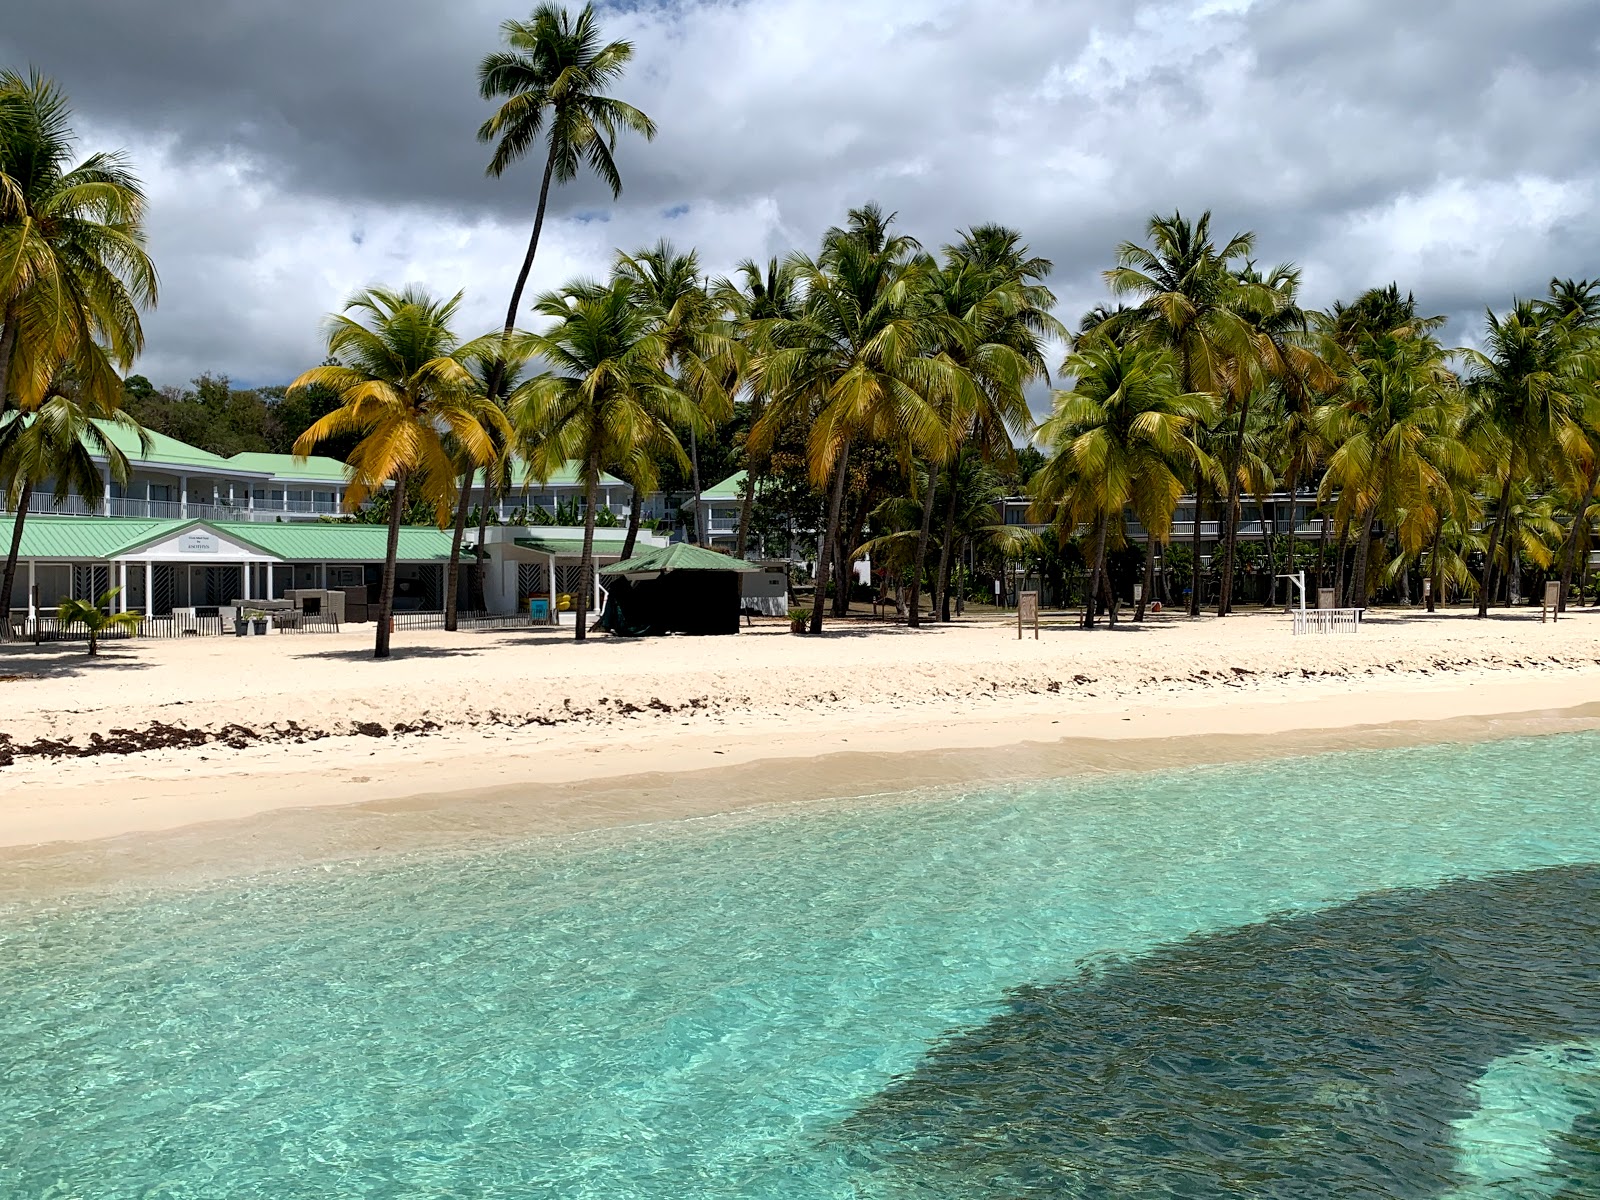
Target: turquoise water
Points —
{"points": [[1365, 974]]}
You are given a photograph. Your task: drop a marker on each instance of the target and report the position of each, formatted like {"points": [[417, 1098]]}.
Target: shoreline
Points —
{"points": [[408, 808]]}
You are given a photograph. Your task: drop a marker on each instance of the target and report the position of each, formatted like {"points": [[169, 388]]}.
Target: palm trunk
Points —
{"points": [[747, 498], [1338, 563], [1580, 522], [397, 510], [1322, 545], [1092, 596], [635, 518], [1194, 570], [1487, 590], [1358, 573], [1288, 555], [945, 563], [452, 572], [694, 467], [1433, 565], [1149, 577], [480, 566], [9, 580], [913, 616], [1230, 537], [855, 516], [1109, 591], [829, 535], [591, 490]]}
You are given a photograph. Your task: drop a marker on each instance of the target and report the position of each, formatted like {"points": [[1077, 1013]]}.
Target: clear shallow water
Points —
{"points": [[1062, 989]]}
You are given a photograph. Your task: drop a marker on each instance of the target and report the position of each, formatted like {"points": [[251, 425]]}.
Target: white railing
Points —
{"points": [[1327, 620]]}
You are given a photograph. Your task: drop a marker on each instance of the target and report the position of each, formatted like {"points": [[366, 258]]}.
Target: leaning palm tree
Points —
{"points": [[855, 364], [1186, 289], [73, 268], [58, 441], [607, 401], [97, 618], [1121, 438], [553, 76], [406, 390]]}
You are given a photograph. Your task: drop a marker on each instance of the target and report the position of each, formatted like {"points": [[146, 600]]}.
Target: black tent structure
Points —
{"points": [[673, 589]]}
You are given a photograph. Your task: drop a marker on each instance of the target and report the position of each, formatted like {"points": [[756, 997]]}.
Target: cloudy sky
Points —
{"points": [[297, 150]]}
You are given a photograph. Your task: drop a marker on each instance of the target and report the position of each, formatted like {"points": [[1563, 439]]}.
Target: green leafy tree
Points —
{"points": [[96, 617]]}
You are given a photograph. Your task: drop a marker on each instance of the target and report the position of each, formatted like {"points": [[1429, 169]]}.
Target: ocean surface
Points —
{"points": [[1366, 974]]}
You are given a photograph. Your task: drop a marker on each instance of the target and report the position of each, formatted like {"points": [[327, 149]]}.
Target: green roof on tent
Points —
{"points": [[680, 556]]}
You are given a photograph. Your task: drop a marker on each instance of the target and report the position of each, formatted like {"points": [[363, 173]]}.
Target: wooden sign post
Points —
{"points": [[1028, 610], [1551, 609]]}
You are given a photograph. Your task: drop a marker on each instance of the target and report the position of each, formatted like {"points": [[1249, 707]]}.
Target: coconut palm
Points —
{"points": [[97, 618], [1577, 303], [1120, 438], [553, 76], [700, 351], [406, 390], [73, 268], [1186, 289], [856, 363], [1528, 388], [57, 440], [750, 299], [607, 401]]}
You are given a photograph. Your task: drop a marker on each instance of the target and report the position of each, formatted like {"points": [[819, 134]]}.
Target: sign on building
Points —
{"points": [[198, 542]]}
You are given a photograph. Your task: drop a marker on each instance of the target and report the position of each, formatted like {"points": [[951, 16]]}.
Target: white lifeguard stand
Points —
{"points": [[1321, 620]]}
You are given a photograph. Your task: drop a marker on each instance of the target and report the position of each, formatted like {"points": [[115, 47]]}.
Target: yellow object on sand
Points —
{"points": [[564, 602]]}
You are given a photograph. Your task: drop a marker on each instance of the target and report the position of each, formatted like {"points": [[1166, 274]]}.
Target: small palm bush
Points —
{"points": [[97, 618]]}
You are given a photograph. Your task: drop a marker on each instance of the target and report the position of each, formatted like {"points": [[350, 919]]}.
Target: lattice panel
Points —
{"points": [[530, 580]]}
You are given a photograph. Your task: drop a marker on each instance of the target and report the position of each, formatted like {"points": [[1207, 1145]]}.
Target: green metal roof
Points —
{"points": [[570, 547], [316, 469], [566, 476], [731, 488], [680, 556], [103, 538], [88, 537], [316, 541], [163, 449]]}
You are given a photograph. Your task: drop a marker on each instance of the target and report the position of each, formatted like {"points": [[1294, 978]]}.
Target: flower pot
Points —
{"points": [[259, 626], [241, 627]]}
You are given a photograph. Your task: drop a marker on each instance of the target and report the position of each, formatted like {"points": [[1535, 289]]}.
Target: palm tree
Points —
{"points": [[73, 268], [1528, 390], [1395, 433], [699, 351], [96, 617], [1187, 290], [1118, 440], [607, 401], [751, 299], [553, 76], [995, 320], [1577, 303], [855, 363], [406, 390]]}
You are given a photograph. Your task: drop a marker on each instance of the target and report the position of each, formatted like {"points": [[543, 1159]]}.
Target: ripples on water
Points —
{"points": [[1359, 975]]}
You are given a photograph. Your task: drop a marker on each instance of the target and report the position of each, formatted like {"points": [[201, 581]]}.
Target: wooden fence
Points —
{"points": [[1327, 620]]}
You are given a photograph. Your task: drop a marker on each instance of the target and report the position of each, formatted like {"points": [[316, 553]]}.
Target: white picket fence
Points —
{"points": [[1327, 620]]}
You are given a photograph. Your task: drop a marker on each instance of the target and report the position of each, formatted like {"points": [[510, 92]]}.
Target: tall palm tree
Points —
{"points": [[406, 390], [552, 75], [1528, 388], [853, 364], [700, 353], [607, 402], [1186, 289], [751, 299], [1120, 438], [1395, 429], [1577, 303], [57, 440]]}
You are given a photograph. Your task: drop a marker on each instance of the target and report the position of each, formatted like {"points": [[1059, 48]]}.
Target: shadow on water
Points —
{"points": [[1337, 1053]]}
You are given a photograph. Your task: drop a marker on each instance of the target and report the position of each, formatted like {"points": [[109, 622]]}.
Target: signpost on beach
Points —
{"points": [[1028, 610], [1551, 609]]}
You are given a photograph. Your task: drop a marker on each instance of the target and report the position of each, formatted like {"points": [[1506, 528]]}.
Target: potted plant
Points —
{"points": [[241, 626], [257, 619], [799, 620]]}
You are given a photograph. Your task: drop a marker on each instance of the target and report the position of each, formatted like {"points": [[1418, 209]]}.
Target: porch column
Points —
{"points": [[322, 576], [248, 570], [230, 493], [105, 501], [149, 589], [122, 586], [250, 497], [32, 612], [555, 617], [183, 496], [149, 511]]}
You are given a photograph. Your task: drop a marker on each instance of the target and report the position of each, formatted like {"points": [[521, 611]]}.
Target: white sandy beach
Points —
{"points": [[536, 720]]}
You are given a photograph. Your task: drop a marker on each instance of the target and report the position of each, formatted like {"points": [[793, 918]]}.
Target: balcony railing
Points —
{"points": [[129, 506]]}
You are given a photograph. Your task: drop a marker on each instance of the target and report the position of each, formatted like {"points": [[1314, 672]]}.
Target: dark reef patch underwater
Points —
{"points": [[1418, 1042]]}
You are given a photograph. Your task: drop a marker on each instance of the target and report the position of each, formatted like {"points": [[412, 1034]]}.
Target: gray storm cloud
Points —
{"points": [[297, 151]]}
